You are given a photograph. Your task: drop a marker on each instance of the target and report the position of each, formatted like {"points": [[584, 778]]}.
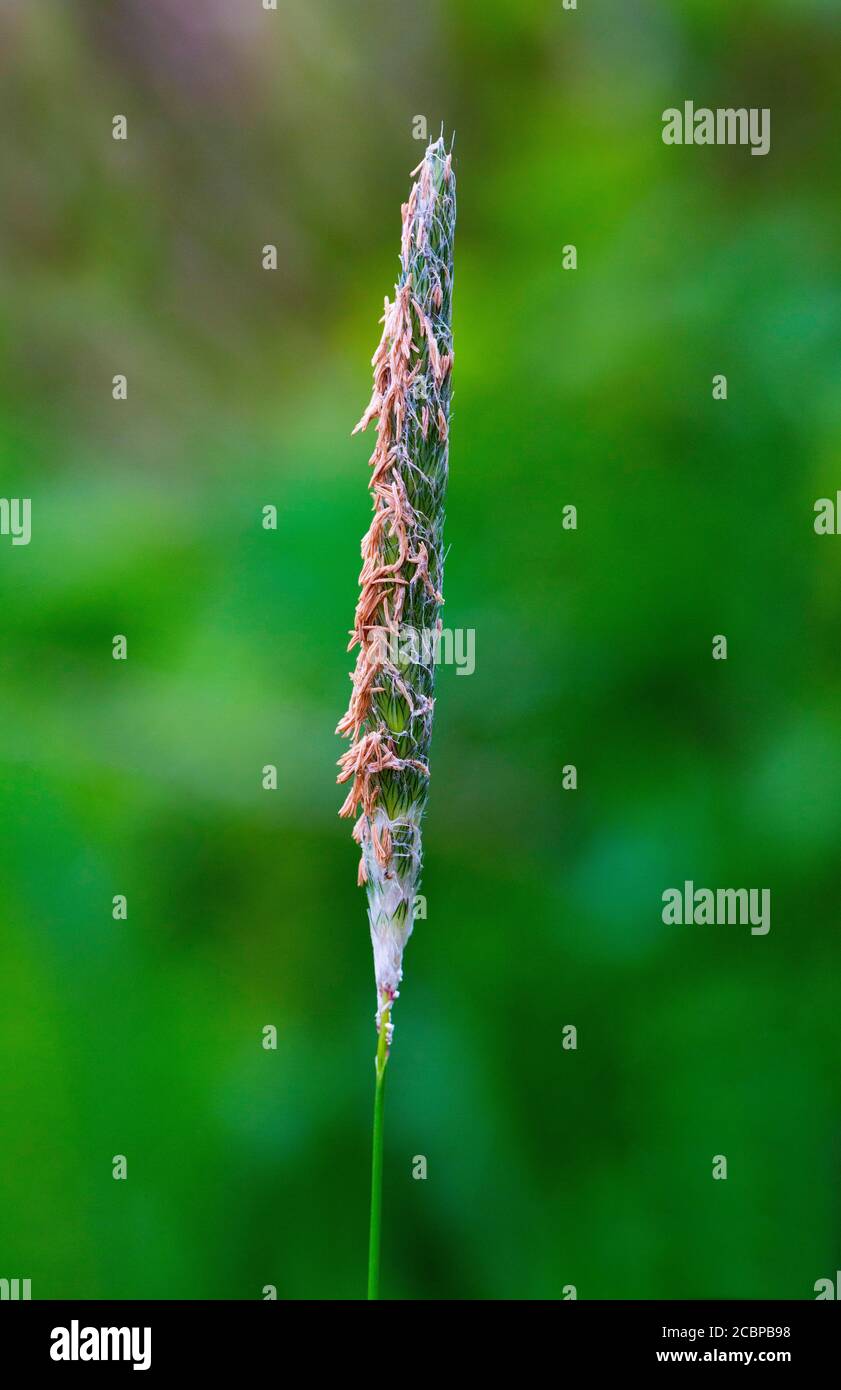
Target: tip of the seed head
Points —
{"points": [[437, 148]]}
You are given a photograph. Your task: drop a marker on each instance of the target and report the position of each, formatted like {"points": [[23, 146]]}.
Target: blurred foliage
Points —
{"points": [[546, 1167]]}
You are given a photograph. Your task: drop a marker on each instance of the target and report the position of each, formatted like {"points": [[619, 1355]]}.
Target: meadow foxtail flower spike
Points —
{"points": [[397, 622]]}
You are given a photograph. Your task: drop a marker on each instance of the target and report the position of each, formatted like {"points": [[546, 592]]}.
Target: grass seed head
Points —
{"points": [[389, 718]]}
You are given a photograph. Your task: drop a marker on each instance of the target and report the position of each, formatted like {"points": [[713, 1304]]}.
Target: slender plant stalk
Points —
{"points": [[377, 1169], [397, 624]]}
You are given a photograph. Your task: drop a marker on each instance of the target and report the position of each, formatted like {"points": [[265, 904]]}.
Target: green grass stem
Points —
{"points": [[377, 1164]]}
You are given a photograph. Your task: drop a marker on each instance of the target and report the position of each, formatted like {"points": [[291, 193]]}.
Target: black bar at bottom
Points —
{"points": [[217, 1337]]}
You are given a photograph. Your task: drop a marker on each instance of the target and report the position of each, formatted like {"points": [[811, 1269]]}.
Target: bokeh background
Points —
{"points": [[594, 387]]}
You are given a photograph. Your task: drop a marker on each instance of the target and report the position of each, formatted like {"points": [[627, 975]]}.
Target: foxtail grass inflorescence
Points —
{"points": [[389, 719]]}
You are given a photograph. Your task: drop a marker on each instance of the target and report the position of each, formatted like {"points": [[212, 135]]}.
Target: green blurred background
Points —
{"points": [[594, 387]]}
